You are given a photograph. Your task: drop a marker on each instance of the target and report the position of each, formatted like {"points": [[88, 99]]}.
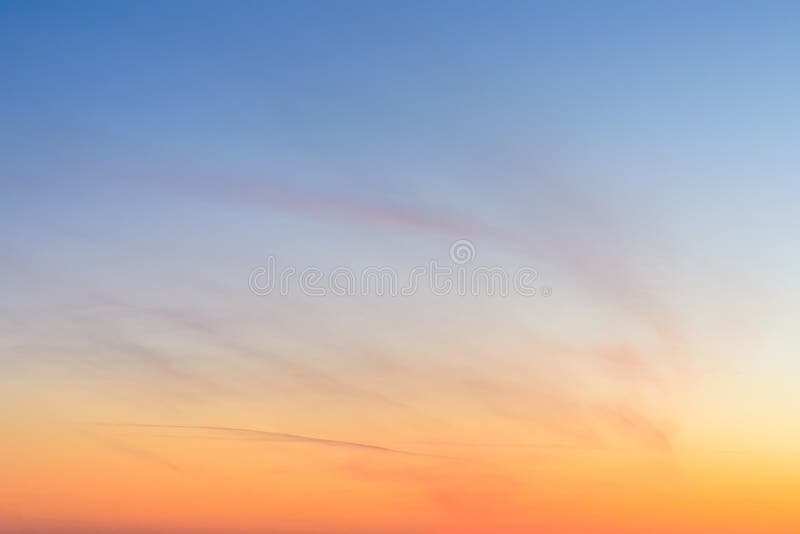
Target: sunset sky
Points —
{"points": [[640, 158]]}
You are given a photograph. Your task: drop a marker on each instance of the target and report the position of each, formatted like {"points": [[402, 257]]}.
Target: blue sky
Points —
{"points": [[161, 136]]}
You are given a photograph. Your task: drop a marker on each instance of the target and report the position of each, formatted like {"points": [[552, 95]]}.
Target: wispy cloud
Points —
{"points": [[577, 235], [263, 435], [631, 422]]}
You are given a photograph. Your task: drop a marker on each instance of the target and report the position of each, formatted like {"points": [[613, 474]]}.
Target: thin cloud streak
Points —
{"points": [[271, 436]]}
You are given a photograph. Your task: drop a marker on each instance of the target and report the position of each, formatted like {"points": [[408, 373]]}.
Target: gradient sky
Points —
{"points": [[641, 157]]}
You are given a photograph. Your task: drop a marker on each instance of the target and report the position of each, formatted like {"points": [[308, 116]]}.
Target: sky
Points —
{"points": [[219, 224]]}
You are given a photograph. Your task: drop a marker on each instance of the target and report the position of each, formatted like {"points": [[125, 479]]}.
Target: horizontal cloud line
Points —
{"points": [[271, 436]]}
